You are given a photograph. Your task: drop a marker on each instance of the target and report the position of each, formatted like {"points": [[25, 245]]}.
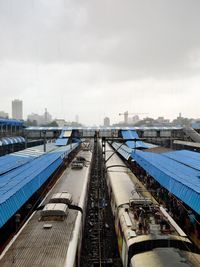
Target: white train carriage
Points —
{"points": [[147, 234], [52, 236]]}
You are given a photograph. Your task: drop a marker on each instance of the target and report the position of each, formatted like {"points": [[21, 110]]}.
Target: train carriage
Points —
{"points": [[147, 234]]}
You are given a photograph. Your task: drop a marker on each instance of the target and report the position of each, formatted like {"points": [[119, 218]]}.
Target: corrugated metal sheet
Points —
{"points": [[130, 134], [124, 151], [17, 159], [9, 162], [64, 137], [12, 140], [62, 141], [149, 145], [135, 144], [18, 185], [181, 180], [188, 158], [11, 122]]}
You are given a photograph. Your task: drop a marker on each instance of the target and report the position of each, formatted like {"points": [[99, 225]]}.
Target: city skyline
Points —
{"points": [[40, 117], [142, 57]]}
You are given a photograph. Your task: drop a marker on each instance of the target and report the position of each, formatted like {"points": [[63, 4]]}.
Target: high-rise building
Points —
{"points": [[17, 109], [106, 122]]}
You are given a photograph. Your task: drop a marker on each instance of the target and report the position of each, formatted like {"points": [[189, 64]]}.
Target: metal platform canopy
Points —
{"points": [[131, 134], [63, 138], [188, 158], [11, 122], [17, 159], [176, 175], [126, 151], [11, 140], [123, 150], [21, 182]]}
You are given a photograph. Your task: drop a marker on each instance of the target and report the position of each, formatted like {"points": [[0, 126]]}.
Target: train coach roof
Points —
{"points": [[165, 257], [121, 188], [178, 171]]}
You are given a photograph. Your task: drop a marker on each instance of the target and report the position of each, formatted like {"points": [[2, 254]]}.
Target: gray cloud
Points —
{"points": [[142, 37], [113, 55]]}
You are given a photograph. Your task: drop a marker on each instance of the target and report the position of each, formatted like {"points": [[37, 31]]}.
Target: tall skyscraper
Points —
{"points": [[17, 109]]}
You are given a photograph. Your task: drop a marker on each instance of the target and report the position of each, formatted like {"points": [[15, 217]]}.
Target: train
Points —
{"points": [[147, 235], [52, 236]]}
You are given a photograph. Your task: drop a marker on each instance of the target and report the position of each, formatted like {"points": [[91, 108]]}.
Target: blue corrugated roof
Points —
{"points": [[149, 145], [11, 140], [131, 134], [62, 141], [9, 162], [186, 157], [196, 124], [18, 185], [11, 122], [64, 137], [123, 150], [180, 179], [128, 134]]}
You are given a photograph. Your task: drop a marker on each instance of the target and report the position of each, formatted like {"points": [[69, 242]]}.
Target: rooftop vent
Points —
{"points": [[54, 212], [64, 197]]}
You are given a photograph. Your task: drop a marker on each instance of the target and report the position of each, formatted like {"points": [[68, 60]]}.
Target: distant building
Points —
{"points": [[40, 119], [36, 117], [61, 122], [17, 109], [106, 122], [47, 117], [4, 115], [135, 119], [162, 120]]}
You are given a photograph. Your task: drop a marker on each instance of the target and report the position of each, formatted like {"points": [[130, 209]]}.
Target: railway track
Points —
{"points": [[99, 240]]}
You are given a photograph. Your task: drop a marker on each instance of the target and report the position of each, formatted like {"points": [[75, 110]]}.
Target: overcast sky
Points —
{"points": [[96, 58]]}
